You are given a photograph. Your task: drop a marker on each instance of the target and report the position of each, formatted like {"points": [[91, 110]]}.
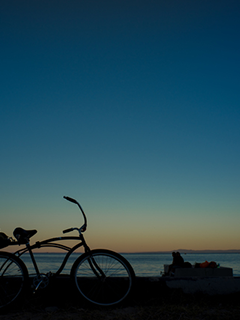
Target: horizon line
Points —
{"points": [[182, 251]]}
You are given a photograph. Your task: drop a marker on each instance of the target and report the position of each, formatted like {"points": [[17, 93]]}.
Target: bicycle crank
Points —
{"points": [[40, 282]]}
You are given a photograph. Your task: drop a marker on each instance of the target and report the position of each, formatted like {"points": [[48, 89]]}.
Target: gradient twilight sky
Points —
{"points": [[131, 107]]}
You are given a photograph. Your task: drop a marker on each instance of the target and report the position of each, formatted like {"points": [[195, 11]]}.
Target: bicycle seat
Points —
{"points": [[23, 235]]}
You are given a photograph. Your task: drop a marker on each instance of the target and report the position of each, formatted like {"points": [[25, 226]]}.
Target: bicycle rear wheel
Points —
{"points": [[13, 279], [103, 277]]}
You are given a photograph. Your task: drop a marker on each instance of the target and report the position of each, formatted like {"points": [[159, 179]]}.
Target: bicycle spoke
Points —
{"points": [[13, 275]]}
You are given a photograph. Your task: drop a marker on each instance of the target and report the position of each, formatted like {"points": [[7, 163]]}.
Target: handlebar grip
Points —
{"points": [[67, 230], [70, 199]]}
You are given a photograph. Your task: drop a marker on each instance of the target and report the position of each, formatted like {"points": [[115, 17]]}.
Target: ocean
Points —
{"points": [[144, 264]]}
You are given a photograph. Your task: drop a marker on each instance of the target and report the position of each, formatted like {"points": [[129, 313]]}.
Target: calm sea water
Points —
{"points": [[144, 264]]}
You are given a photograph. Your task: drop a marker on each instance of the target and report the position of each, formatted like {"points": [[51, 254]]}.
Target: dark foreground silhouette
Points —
{"points": [[149, 300]]}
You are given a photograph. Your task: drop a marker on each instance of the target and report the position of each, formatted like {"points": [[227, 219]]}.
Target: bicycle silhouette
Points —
{"points": [[101, 276]]}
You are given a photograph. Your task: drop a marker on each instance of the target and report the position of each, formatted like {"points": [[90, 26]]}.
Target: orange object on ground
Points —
{"points": [[204, 264]]}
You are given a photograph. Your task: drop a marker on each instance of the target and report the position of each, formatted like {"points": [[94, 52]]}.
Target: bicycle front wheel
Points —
{"points": [[13, 279], [103, 277]]}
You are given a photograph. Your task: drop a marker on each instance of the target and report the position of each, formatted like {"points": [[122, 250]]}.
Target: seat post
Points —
{"points": [[32, 257]]}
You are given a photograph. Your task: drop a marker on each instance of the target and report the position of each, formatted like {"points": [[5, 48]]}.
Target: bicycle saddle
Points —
{"points": [[23, 235]]}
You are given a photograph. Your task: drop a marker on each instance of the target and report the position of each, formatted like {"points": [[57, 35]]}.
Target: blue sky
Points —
{"points": [[132, 108]]}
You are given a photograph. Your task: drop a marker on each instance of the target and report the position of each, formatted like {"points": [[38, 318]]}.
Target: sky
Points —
{"points": [[130, 107]]}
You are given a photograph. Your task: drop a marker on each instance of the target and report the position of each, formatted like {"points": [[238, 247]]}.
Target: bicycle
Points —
{"points": [[101, 276]]}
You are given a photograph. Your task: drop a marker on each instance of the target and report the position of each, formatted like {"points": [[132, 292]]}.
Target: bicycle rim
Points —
{"points": [[13, 275], [103, 277]]}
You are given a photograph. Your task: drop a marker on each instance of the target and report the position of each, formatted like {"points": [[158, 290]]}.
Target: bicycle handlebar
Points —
{"points": [[84, 227], [70, 199], [68, 230]]}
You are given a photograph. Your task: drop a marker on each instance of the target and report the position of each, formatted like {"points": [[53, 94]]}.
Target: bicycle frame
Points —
{"points": [[50, 243]]}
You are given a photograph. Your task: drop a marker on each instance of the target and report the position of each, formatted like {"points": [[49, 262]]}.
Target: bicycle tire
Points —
{"points": [[13, 279], [107, 286]]}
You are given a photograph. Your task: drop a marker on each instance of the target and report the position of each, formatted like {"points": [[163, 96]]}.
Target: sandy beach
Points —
{"points": [[186, 308]]}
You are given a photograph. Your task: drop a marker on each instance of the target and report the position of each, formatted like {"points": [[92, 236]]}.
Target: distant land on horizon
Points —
{"points": [[209, 251], [183, 251]]}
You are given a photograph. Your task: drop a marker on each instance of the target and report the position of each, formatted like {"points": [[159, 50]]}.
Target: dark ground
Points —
{"points": [[149, 300]]}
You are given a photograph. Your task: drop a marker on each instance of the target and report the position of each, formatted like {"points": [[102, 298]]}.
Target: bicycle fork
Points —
{"points": [[96, 269]]}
